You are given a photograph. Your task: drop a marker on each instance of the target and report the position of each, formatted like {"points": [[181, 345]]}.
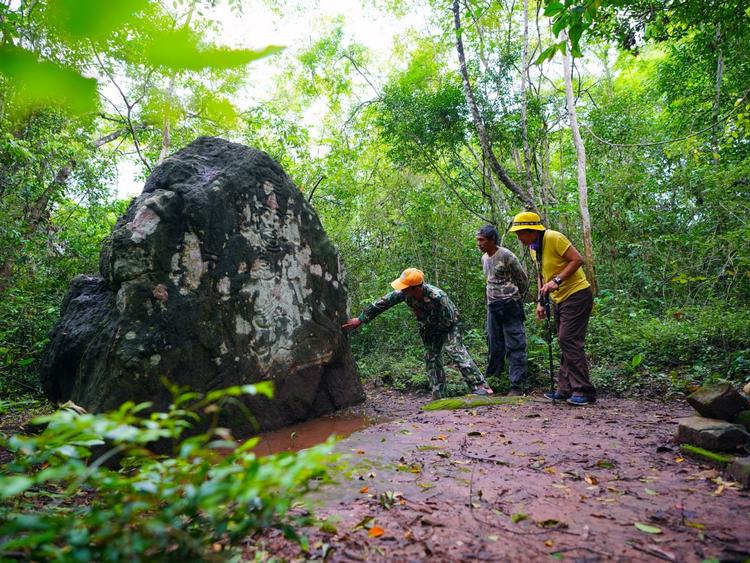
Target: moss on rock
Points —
{"points": [[471, 401], [706, 455]]}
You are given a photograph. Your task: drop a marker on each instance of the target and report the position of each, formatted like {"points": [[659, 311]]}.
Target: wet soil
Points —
{"points": [[521, 482], [381, 406]]}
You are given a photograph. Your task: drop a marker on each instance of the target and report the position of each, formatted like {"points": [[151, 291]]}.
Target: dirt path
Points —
{"points": [[524, 482]]}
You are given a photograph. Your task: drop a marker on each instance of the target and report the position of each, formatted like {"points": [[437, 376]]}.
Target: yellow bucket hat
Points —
{"points": [[408, 278], [527, 220]]}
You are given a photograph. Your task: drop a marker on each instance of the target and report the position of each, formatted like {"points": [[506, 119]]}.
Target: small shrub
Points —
{"points": [[60, 499]]}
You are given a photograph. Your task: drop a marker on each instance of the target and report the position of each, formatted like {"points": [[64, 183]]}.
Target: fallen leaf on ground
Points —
{"points": [[646, 528], [376, 532], [366, 522], [328, 528], [551, 523], [651, 492], [591, 480], [364, 489]]}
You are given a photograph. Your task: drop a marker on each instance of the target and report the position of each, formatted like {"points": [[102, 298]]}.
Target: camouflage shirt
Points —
{"points": [[434, 310], [506, 278]]}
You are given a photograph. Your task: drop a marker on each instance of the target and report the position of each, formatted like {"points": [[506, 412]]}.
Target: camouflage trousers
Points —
{"points": [[452, 341]]}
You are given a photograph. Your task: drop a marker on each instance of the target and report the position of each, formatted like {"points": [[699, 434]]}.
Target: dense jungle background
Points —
{"points": [[407, 125], [400, 167]]}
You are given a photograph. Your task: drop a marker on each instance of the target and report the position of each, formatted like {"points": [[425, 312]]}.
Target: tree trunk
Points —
{"points": [[484, 141], [38, 213], [583, 196], [524, 103], [715, 130]]}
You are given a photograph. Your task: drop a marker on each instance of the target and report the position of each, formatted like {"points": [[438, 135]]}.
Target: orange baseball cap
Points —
{"points": [[408, 278]]}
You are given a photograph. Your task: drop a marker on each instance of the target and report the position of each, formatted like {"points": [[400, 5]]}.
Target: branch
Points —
{"points": [[117, 134], [128, 105], [309, 198], [479, 125], [362, 74]]}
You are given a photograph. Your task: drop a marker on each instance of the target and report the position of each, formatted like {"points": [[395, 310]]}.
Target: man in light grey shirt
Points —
{"points": [[507, 283]]}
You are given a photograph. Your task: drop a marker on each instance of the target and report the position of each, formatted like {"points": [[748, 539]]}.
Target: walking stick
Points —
{"points": [[546, 303]]}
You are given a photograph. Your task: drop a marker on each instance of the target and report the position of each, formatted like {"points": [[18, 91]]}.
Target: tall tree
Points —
{"points": [[583, 190], [523, 195]]}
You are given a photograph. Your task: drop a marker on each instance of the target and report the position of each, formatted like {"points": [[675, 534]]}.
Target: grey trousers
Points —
{"points": [[506, 337]]}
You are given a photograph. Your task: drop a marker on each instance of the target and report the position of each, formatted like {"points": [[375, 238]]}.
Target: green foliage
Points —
{"points": [[637, 351], [95, 488], [178, 50], [43, 42]]}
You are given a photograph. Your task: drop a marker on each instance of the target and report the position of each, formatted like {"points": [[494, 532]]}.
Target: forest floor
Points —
{"points": [[524, 481]]}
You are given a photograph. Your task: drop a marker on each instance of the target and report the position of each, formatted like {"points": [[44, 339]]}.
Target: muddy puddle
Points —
{"points": [[306, 434]]}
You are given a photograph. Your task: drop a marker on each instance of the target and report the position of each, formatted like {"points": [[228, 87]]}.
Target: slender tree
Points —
{"points": [[583, 195]]}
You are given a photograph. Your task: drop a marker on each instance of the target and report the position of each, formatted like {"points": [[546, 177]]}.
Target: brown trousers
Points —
{"points": [[572, 316]]}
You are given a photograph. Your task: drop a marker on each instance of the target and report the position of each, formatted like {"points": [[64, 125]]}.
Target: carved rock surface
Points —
{"points": [[218, 274]]}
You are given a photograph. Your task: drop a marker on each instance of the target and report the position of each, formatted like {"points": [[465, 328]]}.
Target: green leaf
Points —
{"points": [[14, 485], [575, 32], [646, 528], [560, 23], [180, 50], [519, 517], [548, 53], [553, 8], [38, 84], [92, 19]]}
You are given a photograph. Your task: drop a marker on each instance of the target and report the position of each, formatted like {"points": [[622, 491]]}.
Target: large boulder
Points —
{"points": [[218, 274]]}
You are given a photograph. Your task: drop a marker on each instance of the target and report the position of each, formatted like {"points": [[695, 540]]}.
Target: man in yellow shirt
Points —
{"points": [[561, 277]]}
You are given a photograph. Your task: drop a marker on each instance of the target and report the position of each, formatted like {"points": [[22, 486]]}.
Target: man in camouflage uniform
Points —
{"points": [[439, 327], [507, 283]]}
